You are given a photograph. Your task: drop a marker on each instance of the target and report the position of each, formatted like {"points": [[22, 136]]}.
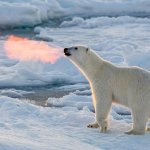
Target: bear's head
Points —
{"points": [[84, 58], [78, 54]]}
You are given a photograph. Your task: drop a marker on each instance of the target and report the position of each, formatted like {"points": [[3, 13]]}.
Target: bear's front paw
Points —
{"points": [[104, 129], [94, 125], [104, 126]]}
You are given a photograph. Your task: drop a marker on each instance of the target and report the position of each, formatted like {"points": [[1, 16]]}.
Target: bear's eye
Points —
{"points": [[75, 48], [87, 50]]}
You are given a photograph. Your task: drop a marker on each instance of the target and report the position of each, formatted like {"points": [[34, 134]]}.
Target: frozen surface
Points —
{"points": [[33, 12], [113, 29], [29, 127], [83, 102], [112, 38], [103, 21], [14, 73]]}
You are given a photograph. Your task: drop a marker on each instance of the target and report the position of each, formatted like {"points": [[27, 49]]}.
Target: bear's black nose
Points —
{"points": [[65, 50]]}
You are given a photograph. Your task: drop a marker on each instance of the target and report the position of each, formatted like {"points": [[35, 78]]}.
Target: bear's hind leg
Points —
{"points": [[139, 123]]}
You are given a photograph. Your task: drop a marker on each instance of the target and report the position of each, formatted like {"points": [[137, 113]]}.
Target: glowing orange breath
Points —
{"points": [[23, 49]]}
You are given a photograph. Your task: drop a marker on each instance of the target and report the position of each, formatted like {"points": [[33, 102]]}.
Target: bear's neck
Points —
{"points": [[92, 66]]}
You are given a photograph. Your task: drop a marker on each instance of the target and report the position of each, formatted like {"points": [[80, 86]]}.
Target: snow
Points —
{"points": [[33, 12], [42, 34], [29, 127], [14, 73], [117, 30], [84, 102], [13, 93], [116, 43], [103, 21], [22, 15], [71, 100]]}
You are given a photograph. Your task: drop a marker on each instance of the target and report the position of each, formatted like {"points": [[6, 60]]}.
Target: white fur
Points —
{"points": [[129, 86]]}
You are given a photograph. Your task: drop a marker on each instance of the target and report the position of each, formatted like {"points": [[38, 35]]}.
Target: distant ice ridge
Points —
{"points": [[26, 13], [103, 21], [14, 14], [32, 12]]}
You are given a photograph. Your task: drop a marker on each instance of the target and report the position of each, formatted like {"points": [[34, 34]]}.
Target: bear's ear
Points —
{"points": [[87, 50]]}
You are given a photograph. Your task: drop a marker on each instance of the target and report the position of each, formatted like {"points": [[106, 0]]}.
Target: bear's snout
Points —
{"points": [[66, 51]]}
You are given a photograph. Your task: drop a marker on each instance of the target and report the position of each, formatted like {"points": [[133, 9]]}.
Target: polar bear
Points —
{"points": [[129, 86]]}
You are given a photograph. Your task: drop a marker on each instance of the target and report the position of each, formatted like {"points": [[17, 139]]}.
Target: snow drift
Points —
{"points": [[32, 12]]}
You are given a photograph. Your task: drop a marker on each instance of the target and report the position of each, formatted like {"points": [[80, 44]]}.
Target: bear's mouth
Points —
{"points": [[66, 52]]}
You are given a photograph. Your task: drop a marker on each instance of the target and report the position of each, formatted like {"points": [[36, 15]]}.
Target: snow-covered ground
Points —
{"points": [[28, 127], [112, 28]]}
